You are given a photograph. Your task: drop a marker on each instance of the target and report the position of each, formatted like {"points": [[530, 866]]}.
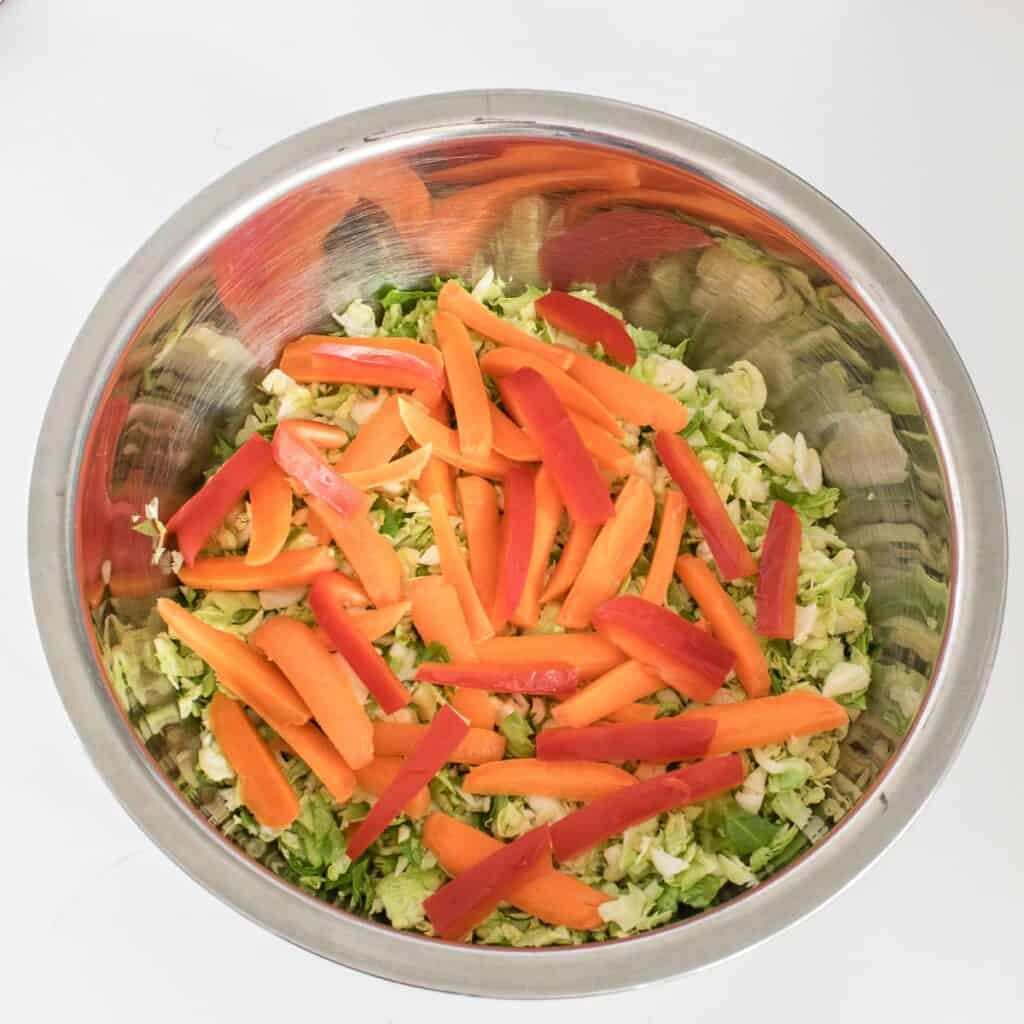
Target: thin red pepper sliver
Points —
{"points": [[545, 419], [609, 815], [779, 574], [670, 739], [518, 521], [588, 323], [470, 898], [443, 735], [376, 367], [193, 523], [326, 598], [301, 459], [551, 678], [733, 559]]}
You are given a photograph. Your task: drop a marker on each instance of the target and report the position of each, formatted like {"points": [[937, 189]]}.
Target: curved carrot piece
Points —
{"points": [[270, 511], [438, 617], [445, 442], [627, 397], [377, 622], [241, 669], [731, 629], [453, 565], [408, 467], [370, 554], [607, 452], [591, 655], [475, 706], [438, 477], [322, 681], [376, 776], [466, 385], [288, 569], [323, 435], [616, 689], [262, 785], [396, 739], [399, 191], [565, 780], [323, 758], [318, 528], [547, 515], [574, 554], [635, 713], [666, 549], [454, 299], [308, 344], [479, 502], [616, 548], [377, 440], [552, 896], [769, 720], [510, 440]]}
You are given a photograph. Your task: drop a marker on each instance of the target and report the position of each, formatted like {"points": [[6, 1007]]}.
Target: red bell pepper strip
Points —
{"points": [[470, 898], [430, 755], [779, 574], [671, 739], [609, 815], [683, 655], [518, 522], [302, 460], [733, 559], [346, 361], [588, 323], [193, 523], [608, 243], [545, 419], [326, 598], [548, 679]]}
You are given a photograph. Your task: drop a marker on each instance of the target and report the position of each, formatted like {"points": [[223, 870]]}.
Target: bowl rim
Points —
{"points": [[947, 397]]}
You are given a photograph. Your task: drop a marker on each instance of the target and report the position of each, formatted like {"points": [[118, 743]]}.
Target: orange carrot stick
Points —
{"points": [[438, 477], [565, 780], [618, 688], [288, 569], [399, 191], [547, 515], [376, 776], [617, 547], [323, 435], [438, 616], [475, 706], [769, 720], [396, 739], [323, 682], [574, 554], [666, 549], [270, 510], [241, 669], [445, 443], [262, 785], [377, 622], [635, 713], [607, 452], [552, 896], [408, 467], [466, 385], [323, 758], [479, 502], [731, 629], [318, 528], [510, 440], [370, 554], [591, 655], [377, 440], [453, 564], [307, 345]]}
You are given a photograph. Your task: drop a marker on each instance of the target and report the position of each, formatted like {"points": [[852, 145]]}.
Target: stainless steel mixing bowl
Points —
{"points": [[853, 356]]}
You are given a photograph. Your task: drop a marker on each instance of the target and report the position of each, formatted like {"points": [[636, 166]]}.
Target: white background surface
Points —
{"points": [[113, 113]]}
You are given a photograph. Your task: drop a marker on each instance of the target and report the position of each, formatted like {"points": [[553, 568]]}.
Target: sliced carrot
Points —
{"points": [[378, 622], [627, 397], [323, 682], [591, 655], [615, 689], [323, 435], [731, 629], [396, 739], [323, 758], [408, 467], [552, 896], [445, 442], [607, 452], [479, 502], [438, 616], [454, 299], [438, 477], [262, 785], [318, 528], [574, 554], [376, 776], [547, 516], [399, 191], [228, 572], [270, 511], [616, 548], [635, 713], [475, 706], [466, 386], [351, 591], [377, 441], [453, 565], [524, 158], [564, 780], [369, 552], [769, 720], [510, 440], [307, 345], [241, 669], [666, 549]]}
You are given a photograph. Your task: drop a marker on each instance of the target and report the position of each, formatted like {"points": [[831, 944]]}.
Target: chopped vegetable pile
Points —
{"points": [[499, 623]]}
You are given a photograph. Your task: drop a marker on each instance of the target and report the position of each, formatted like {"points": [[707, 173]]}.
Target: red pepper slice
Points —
{"points": [[609, 815], [545, 419], [193, 523], [347, 362], [300, 458], [608, 243], [443, 735], [327, 597], [588, 323], [550, 679], [470, 898], [733, 559], [779, 574], [671, 739], [683, 655], [518, 521]]}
